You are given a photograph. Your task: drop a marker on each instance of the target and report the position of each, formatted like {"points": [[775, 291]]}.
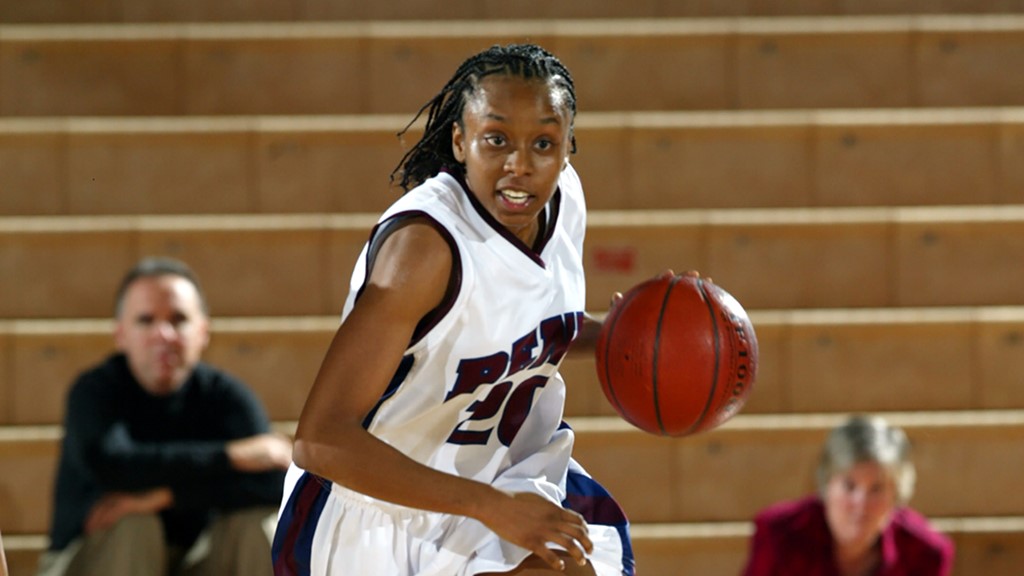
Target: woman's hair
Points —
{"points": [[868, 439], [433, 152]]}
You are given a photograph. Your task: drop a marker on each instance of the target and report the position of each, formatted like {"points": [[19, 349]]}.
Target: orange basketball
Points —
{"points": [[677, 355]]}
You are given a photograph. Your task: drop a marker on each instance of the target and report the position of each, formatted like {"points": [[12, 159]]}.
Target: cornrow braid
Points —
{"points": [[433, 152]]}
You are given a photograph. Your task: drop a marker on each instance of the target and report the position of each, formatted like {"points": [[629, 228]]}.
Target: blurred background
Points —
{"points": [[852, 171]]}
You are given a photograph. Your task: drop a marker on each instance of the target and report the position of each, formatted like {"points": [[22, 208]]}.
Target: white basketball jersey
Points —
{"points": [[478, 391], [477, 395]]}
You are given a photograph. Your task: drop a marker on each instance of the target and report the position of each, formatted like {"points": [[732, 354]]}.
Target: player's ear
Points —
{"points": [[458, 143], [570, 145]]}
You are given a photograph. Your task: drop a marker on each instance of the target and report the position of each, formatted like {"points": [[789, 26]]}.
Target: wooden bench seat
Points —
{"points": [[768, 259], [993, 546], [711, 477], [754, 460], [627, 160], [989, 546], [354, 67], [810, 361], [306, 10]]}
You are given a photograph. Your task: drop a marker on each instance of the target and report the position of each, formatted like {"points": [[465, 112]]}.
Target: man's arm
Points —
{"points": [[237, 441]]}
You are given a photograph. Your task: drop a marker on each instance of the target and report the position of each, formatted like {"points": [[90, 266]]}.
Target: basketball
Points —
{"points": [[677, 356]]}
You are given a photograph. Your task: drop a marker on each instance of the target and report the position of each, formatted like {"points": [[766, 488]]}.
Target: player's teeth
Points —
{"points": [[515, 195]]}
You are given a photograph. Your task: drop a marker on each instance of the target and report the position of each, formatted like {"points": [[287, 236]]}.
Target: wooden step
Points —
{"points": [[319, 10], [28, 456], [627, 160], [277, 357], [810, 361], [23, 552], [715, 476], [353, 67], [256, 265], [993, 546], [989, 546], [249, 265], [754, 460]]}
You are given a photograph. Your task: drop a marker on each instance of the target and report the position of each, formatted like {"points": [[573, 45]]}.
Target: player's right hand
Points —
{"points": [[533, 522]]}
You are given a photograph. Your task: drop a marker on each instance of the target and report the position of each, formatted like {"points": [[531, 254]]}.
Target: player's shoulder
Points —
{"points": [[437, 195]]}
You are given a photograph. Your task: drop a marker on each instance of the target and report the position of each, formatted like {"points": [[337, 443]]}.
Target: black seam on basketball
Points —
{"points": [[607, 359], [718, 352], [657, 352]]}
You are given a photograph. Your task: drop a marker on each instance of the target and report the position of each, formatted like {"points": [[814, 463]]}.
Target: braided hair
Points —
{"points": [[433, 152]]}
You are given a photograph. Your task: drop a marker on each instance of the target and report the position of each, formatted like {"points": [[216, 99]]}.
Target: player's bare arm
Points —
{"points": [[408, 280]]}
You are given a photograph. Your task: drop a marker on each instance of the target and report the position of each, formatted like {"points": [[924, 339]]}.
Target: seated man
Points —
{"points": [[168, 465]]}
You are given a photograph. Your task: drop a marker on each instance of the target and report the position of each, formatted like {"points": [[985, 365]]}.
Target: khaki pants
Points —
{"points": [[234, 544]]}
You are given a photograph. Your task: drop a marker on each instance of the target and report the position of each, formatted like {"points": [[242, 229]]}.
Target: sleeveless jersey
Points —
{"points": [[478, 393], [479, 390]]}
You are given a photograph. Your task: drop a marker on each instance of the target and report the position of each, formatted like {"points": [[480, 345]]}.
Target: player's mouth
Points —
{"points": [[514, 198]]}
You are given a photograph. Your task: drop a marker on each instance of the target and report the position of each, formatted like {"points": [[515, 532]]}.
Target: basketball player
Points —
{"points": [[431, 442]]}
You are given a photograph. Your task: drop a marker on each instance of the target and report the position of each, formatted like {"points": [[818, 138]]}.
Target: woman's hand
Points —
{"points": [[530, 521]]}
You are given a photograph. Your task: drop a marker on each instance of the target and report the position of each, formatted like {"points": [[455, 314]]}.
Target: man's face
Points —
{"points": [[163, 331]]}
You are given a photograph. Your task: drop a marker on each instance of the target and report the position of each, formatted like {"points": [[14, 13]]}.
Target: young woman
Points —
{"points": [[431, 442], [858, 524]]}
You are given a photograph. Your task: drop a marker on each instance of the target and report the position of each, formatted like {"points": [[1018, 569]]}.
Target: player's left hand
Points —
{"points": [[532, 522]]}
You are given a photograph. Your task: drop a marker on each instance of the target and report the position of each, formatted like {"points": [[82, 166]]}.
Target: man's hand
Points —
{"points": [[260, 453], [116, 505]]}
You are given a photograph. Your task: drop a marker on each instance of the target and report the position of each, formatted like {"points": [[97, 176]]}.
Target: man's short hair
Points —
{"points": [[153, 266]]}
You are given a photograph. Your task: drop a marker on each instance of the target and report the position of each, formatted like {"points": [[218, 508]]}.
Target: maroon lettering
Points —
{"points": [[475, 372]]}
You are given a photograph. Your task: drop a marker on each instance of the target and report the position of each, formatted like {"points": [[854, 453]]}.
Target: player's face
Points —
{"points": [[858, 505], [514, 141], [163, 331]]}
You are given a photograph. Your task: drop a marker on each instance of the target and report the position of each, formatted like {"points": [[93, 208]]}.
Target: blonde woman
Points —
{"points": [[859, 523]]}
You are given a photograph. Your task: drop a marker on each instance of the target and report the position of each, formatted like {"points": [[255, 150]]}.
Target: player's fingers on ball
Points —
{"points": [[616, 298]]}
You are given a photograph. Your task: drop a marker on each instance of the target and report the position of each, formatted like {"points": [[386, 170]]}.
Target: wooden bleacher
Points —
{"points": [[850, 170], [934, 359], [636, 161], [767, 258], [346, 67]]}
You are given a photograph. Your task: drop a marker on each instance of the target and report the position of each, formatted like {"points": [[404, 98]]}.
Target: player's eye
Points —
{"points": [[496, 140]]}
